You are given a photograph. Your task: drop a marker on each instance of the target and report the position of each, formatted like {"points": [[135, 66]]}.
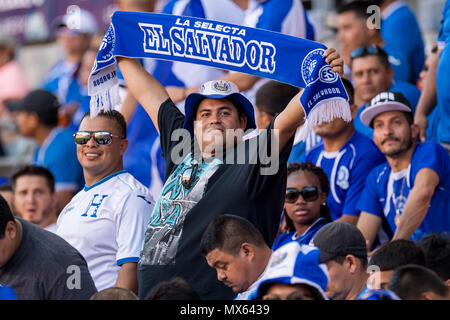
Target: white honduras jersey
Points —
{"points": [[106, 223]]}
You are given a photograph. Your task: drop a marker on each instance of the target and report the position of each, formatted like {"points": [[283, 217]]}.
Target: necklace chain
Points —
{"points": [[397, 209]]}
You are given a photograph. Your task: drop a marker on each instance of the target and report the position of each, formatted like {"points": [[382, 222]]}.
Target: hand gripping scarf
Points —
{"points": [[258, 52]]}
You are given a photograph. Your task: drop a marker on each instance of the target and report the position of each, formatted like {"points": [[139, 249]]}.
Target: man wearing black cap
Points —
{"points": [[37, 118], [407, 196], [205, 182], [343, 250]]}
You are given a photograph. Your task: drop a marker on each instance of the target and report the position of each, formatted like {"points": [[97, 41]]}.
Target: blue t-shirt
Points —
{"points": [[305, 238], [347, 171], [7, 293], [400, 30], [400, 63], [61, 80], [383, 185], [442, 78], [58, 154], [411, 92]]}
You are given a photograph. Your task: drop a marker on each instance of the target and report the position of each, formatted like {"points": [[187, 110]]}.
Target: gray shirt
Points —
{"points": [[46, 267]]}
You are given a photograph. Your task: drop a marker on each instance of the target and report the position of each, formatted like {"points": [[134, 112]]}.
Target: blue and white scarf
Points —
{"points": [[258, 52]]}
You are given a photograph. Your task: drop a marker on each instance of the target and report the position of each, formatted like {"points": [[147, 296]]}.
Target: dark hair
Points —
{"points": [[227, 232], [437, 252], [273, 96], [381, 54], [113, 115], [409, 282], [397, 253], [6, 187], [114, 293], [359, 8], [324, 186], [174, 289], [32, 170], [350, 90], [5, 216]]}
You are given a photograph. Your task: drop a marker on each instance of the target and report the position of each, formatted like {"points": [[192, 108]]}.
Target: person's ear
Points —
{"points": [[11, 230], [351, 263], [247, 251], [243, 121], [123, 146], [415, 131]]}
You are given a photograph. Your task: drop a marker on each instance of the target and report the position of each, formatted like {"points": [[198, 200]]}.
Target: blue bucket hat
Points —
{"points": [[294, 263], [217, 89]]}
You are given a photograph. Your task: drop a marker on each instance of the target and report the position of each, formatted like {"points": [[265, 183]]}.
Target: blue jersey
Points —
{"points": [[58, 154], [383, 186], [284, 16], [347, 171], [411, 92], [400, 30], [305, 238], [442, 78], [63, 83], [400, 63]]}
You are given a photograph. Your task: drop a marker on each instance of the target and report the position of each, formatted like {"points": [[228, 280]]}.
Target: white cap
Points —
{"points": [[80, 20]]}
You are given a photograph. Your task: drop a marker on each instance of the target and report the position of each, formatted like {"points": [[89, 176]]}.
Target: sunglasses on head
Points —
{"points": [[364, 50], [100, 137], [308, 193]]}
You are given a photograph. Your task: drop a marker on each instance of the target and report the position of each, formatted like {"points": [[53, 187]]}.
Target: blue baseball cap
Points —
{"points": [[292, 264], [217, 89]]}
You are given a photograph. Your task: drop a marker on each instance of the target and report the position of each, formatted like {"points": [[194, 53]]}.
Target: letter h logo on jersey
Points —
{"points": [[93, 206]]}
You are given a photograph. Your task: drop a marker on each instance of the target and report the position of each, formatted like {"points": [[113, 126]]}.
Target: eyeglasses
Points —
{"points": [[308, 193], [100, 137], [365, 50]]}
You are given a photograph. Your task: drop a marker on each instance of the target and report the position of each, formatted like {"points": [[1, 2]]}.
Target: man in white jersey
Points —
{"points": [[106, 221]]}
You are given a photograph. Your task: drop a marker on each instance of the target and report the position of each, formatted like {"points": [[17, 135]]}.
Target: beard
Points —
{"points": [[404, 146]]}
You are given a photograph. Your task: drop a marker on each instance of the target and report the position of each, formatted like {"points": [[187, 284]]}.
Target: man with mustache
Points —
{"points": [[409, 194]]}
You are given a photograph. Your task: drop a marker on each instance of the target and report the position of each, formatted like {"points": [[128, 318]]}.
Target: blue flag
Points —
{"points": [[258, 52]]}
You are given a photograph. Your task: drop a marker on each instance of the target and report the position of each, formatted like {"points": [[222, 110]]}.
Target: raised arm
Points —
{"points": [[143, 86], [428, 98]]}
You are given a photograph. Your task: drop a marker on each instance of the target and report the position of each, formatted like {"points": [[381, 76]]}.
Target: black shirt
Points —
{"points": [[171, 244], [46, 267]]}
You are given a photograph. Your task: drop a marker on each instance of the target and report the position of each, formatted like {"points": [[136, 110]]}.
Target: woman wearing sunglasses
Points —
{"points": [[305, 206]]}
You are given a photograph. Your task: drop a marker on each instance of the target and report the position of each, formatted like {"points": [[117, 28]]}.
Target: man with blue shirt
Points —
{"points": [[354, 32], [407, 196], [73, 33], [346, 156], [106, 220], [436, 92], [396, 18], [372, 74], [37, 118]]}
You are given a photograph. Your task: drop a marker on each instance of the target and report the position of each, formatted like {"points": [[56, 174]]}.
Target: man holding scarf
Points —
{"points": [[210, 170]]}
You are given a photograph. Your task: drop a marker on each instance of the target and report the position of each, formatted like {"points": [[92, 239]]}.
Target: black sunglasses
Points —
{"points": [[100, 137], [308, 193], [364, 50]]}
